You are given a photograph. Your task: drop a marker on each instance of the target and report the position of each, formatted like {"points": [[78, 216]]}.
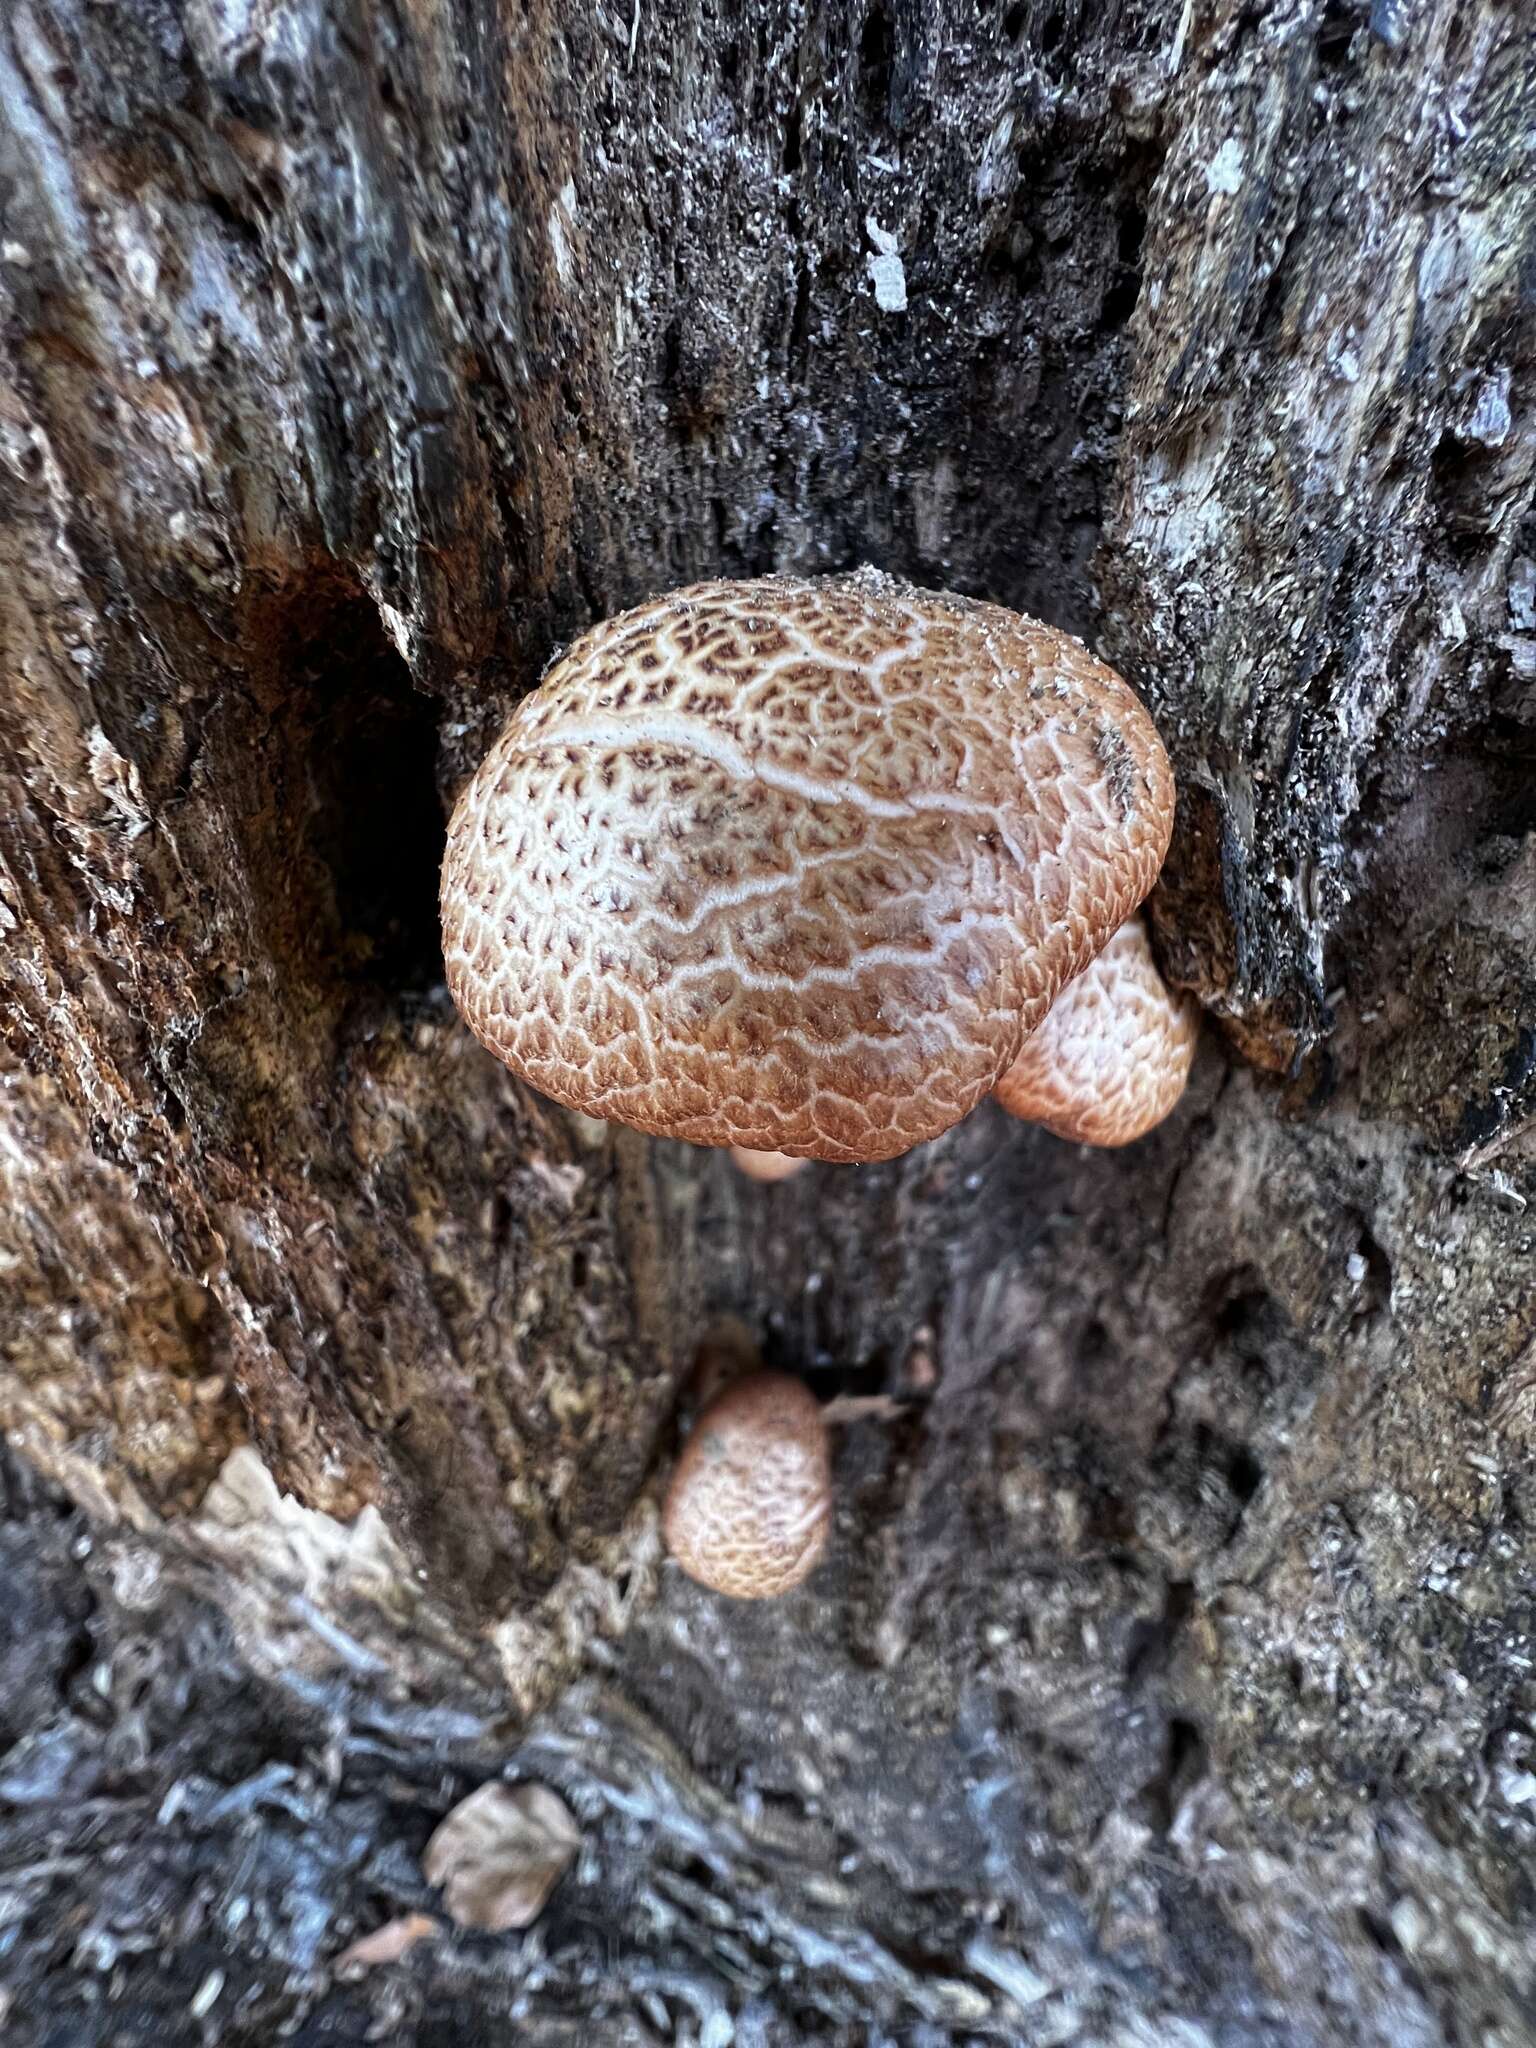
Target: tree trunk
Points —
{"points": [[1172, 1678]]}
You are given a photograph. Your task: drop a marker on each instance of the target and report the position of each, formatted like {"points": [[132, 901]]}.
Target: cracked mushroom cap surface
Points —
{"points": [[797, 865], [1113, 1056], [749, 1508]]}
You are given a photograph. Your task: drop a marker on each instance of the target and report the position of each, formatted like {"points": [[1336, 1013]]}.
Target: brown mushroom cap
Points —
{"points": [[750, 1504], [1113, 1056], [797, 865]]}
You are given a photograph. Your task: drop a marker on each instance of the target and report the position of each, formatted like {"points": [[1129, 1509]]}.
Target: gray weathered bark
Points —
{"points": [[1172, 1676]]}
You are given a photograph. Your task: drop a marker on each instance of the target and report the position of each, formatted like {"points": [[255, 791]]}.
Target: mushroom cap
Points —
{"points": [[1113, 1056], [750, 1504], [797, 865]]}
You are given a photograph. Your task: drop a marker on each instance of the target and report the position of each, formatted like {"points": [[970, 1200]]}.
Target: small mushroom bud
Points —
{"points": [[767, 1167], [797, 865], [750, 1505], [1113, 1056]]}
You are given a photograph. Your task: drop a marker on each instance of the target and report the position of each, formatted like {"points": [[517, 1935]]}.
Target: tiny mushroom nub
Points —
{"points": [[765, 1166], [797, 865], [1113, 1056], [750, 1503]]}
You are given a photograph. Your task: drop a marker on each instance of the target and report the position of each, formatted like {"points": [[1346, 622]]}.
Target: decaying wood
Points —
{"points": [[1171, 1677]]}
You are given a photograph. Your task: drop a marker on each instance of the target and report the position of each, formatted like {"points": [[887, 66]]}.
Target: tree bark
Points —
{"points": [[1171, 1679]]}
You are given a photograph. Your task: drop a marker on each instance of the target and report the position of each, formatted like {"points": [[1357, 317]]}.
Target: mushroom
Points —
{"points": [[750, 1504], [1112, 1058], [767, 1167], [797, 865]]}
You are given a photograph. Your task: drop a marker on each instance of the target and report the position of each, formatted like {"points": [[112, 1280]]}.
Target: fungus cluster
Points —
{"points": [[798, 866], [806, 869]]}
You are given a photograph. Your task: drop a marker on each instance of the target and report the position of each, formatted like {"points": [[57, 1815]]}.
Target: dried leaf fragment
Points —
{"points": [[386, 1944], [500, 1853]]}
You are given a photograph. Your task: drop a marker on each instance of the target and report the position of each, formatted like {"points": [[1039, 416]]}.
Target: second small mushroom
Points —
{"points": [[1114, 1054]]}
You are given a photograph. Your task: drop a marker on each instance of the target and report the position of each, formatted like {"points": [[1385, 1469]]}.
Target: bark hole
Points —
{"points": [[1183, 1764], [1120, 299], [877, 48], [356, 790]]}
